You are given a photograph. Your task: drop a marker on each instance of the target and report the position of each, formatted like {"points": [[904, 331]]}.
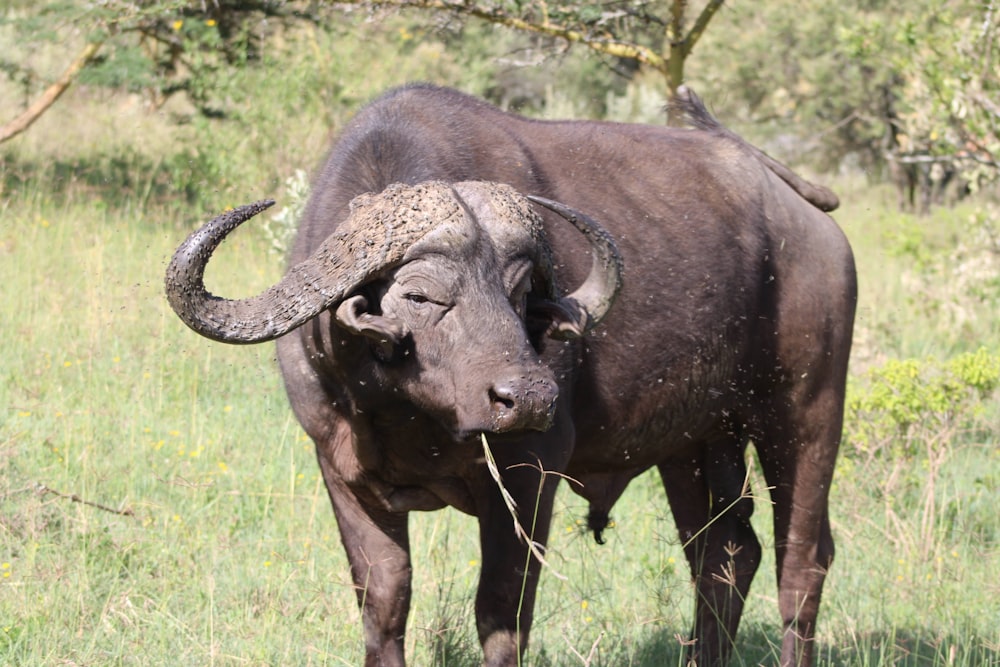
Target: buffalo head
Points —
{"points": [[451, 285]]}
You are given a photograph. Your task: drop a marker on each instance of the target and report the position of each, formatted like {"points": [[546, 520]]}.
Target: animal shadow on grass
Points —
{"points": [[757, 644], [907, 647], [760, 644]]}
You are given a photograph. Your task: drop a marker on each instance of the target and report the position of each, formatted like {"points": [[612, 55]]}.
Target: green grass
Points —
{"points": [[107, 397], [916, 295]]}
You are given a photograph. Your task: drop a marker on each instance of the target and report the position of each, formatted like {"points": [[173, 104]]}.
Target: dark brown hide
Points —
{"points": [[733, 324]]}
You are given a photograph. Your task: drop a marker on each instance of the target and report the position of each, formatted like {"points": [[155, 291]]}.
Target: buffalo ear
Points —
{"points": [[554, 319], [385, 333], [547, 315]]}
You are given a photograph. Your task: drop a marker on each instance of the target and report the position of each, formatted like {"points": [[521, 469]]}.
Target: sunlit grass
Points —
{"points": [[911, 297], [109, 399]]}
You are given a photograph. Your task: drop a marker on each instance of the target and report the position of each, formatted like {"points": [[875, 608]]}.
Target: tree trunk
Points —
{"points": [[678, 46]]}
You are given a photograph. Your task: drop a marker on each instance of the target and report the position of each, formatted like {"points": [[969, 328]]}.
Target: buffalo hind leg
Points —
{"points": [[712, 514], [797, 452], [377, 546]]}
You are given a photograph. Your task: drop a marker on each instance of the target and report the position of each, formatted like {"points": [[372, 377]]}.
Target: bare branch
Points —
{"points": [[600, 43], [700, 24], [45, 490], [51, 94]]}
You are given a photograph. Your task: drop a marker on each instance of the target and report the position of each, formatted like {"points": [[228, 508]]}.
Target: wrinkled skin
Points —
{"points": [[734, 324], [466, 283]]}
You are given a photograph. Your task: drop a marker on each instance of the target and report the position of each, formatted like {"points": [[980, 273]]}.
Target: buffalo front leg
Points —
{"points": [[377, 545], [506, 596], [712, 509]]}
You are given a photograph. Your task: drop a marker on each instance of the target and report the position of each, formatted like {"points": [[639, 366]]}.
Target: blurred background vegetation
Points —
{"points": [[208, 539], [908, 96]]}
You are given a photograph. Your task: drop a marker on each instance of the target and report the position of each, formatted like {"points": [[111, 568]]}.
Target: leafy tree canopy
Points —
{"points": [[868, 78]]}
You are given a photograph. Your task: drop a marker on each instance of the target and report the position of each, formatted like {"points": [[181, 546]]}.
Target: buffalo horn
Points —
{"points": [[589, 303], [373, 239]]}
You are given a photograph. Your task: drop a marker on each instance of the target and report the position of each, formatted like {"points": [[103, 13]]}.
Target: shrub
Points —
{"points": [[909, 402]]}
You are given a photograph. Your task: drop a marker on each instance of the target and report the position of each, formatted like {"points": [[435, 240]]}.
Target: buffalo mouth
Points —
{"points": [[475, 436], [504, 427], [504, 435]]}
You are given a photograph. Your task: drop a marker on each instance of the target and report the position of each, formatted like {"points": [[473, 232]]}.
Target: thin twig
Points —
{"points": [[45, 490], [534, 547], [23, 489], [585, 661]]}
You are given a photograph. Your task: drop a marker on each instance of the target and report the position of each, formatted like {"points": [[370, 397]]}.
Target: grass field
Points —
{"points": [[160, 506]]}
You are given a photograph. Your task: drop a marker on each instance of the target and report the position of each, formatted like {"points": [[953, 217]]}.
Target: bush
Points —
{"points": [[910, 402]]}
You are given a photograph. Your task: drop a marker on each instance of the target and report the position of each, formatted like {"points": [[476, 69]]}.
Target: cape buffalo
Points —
{"points": [[426, 305]]}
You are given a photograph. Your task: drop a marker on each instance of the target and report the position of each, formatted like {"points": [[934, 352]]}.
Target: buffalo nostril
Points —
{"points": [[524, 403], [502, 397]]}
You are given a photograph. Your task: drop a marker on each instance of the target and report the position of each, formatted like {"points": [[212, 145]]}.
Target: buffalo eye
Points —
{"points": [[417, 298], [421, 309]]}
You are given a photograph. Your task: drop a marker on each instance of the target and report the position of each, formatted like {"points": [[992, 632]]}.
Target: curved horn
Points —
{"points": [[374, 238], [590, 302]]}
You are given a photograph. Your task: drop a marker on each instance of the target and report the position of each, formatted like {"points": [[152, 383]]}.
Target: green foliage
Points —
{"points": [[905, 402], [162, 47], [851, 74], [308, 79], [127, 68], [979, 371], [845, 75]]}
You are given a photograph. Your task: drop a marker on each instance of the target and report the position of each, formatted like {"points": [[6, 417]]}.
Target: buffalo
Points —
{"points": [[591, 298]]}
